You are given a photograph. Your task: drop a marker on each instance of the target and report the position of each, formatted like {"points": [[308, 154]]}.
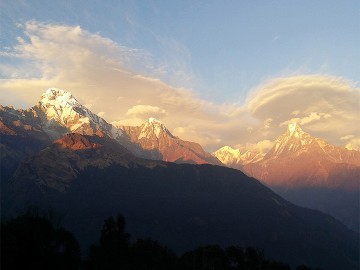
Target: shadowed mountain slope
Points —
{"points": [[88, 178]]}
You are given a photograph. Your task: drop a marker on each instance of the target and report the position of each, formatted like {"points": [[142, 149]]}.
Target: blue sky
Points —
{"points": [[223, 64], [221, 49]]}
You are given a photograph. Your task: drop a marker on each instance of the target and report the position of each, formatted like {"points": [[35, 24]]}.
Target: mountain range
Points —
{"points": [[59, 154], [58, 113], [88, 178], [308, 171]]}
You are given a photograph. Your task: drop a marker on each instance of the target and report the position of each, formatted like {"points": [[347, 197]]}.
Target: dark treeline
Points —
{"points": [[33, 242]]}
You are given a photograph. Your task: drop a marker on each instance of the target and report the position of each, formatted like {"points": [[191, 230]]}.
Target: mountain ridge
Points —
{"points": [[294, 142], [58, 112], [299, 164]]}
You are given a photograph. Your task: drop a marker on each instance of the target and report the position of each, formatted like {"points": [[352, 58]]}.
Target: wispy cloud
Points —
{"points": [[105, 74], [311, 118]]}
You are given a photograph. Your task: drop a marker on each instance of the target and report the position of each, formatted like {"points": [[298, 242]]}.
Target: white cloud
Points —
{"points": [[295, 112], [267, 123], [353, 144], [102, 74], [99, 73], [146, 111], [312, 117], [101, 114], [347, 137]]}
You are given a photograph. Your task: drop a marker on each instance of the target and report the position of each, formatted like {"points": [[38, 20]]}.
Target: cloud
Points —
{"points": [[102, 74], [292, 93], [101, 114], [353, 144], [312, 117], [202, 136], [295, 112], [325, 106], [347, 137], [146, 111], [106, 76]]}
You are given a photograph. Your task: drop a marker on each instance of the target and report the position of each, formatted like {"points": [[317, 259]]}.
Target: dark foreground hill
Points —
{"points": [[87, 179]]}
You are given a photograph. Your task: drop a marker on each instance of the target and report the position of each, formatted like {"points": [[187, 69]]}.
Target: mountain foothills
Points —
{"points": [[308, 171], [59, 154]]}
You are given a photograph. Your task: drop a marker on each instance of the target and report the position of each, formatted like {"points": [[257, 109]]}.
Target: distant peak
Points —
{"points": [[56, 96], [153, 120], [54, 93], [227, 151], [152, 125], [293, 126]]}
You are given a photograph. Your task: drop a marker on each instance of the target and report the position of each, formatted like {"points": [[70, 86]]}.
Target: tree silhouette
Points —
{"points": [[236, 256], [112, 251], [304, 267], [31, 242], [254, 258], [148, 254], [204, 258]]}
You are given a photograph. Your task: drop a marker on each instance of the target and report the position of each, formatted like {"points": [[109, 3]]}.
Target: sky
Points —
{"points": [[215, 72]]}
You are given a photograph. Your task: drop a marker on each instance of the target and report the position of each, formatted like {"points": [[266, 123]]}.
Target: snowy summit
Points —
{"points": [[59, 98], [62, 107], [292, 127], [153, 120], [153, 127]]}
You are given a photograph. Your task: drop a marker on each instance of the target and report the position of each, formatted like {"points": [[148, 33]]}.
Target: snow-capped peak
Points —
{"points": [[227, 155], [153, 120], [292, 127], [58, 97], [62, 107], [233, 157], [153, 126], [230, 150], [291, 141], [295, 130]]}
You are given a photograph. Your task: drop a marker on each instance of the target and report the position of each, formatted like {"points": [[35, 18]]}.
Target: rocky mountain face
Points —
{"points": [[299, 164], [89, 178], [153, 140]]}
